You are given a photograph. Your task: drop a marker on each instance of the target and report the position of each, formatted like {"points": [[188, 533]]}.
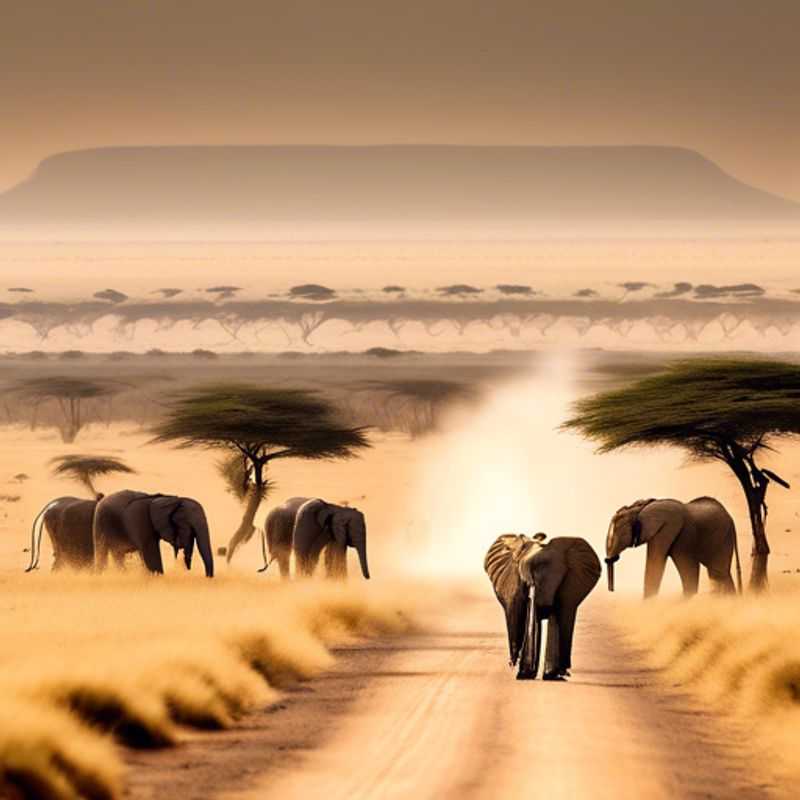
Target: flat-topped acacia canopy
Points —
{"points": [[726, 409]]}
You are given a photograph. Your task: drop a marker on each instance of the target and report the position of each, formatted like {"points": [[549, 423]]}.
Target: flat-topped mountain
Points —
{"points": [[262, 185]]}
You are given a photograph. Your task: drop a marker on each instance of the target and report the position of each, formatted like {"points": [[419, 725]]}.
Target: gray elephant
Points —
{"points": [[68, 521], [536, 580], [278, 534], [128, 522], [319, 526], [691, 534]]}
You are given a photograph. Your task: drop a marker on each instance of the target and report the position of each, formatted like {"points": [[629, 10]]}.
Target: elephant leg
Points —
{"points": [[654, 569], [151, 555], [721, 579], [306, 562], [336, 561], [573, 591], [283, 557], [566, 631], [305, 565], [101, 551], [552, 656], [560, 631], [119, 560], [689, 570]]}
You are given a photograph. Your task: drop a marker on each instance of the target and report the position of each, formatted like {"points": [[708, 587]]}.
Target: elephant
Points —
{"points": [[691, 534], [68, 521], [319, 526], [278, 533], [537, 580], [127, 522]]}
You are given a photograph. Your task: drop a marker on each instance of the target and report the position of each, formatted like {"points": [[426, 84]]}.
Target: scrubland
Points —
{"points": [[737, 655], [90, 664]]}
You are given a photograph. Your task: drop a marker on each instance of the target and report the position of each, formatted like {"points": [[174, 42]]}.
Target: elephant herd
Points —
{"points": [[535, 580], [85, 533]]}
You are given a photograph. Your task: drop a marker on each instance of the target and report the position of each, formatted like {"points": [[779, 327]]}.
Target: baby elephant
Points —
{"points": [[535, 580]]}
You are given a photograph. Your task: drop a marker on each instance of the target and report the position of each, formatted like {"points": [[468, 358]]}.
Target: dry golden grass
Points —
{"points": [[741, 655], [87, 660]]}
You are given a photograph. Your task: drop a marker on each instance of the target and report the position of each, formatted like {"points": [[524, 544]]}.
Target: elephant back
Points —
{"points": [[709, 506]]}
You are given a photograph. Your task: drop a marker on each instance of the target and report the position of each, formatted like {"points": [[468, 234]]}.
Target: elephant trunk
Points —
{"points": [[203, 540], [361, 549], [610, 570], [187, 554]]}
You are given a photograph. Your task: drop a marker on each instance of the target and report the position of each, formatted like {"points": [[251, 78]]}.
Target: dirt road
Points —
{"points": [[439, 715]]}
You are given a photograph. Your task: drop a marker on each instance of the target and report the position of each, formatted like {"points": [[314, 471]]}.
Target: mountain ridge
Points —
{"points": [[401, 184]]}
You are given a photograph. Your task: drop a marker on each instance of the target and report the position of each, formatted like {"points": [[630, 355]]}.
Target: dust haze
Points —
{"points": [[370, 259], [437, 486]]}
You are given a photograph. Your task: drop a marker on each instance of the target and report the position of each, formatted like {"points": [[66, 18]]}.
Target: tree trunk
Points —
{"points": [[246, 527], [89, 484], [68, 434], [757, 511], [760, 552]]}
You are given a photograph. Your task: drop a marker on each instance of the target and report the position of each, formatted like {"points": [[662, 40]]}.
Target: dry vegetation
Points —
{"points": [[741, 655], [407, 393], [130, 659], [404, 392]]}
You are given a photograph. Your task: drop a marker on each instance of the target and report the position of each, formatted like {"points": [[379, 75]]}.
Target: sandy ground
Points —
{"points": [[439, 715]]}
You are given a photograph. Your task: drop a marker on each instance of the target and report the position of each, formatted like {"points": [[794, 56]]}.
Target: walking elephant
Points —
{"points": [[691, 534], [325, 526], [537, 580], [278, 533], [128, 522], [68, 521]]}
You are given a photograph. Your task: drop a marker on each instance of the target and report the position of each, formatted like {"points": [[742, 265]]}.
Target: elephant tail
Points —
{"points": [[738, 562], [36, 542], [264, 554]]}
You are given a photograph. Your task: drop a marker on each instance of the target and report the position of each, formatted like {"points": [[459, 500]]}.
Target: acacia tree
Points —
{"points": [[728, 410], [254, 426], [71, 395], [85, 469]]}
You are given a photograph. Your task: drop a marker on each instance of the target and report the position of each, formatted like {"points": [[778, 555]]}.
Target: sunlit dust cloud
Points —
{"points": [[508, 468]]}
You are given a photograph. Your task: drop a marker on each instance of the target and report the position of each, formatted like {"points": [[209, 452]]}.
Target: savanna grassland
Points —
{"points": [[463, 447], [135, 659], [739, 656]]}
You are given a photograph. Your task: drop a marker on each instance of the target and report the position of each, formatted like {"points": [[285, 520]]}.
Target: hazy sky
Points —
{"points": [[720, 76]]}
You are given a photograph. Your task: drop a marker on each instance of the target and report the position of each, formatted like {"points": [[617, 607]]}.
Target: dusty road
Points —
{"points": [[439, 716]]}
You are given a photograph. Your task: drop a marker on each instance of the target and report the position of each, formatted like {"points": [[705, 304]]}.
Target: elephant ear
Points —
{"points": [[502, 567], [339, 526], [656, 515], [583, 563], [636, 531], [325, 514], [161, 512]]}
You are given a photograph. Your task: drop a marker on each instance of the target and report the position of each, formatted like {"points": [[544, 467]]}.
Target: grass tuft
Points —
{"points": [[88, 660], [740, 655]]}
